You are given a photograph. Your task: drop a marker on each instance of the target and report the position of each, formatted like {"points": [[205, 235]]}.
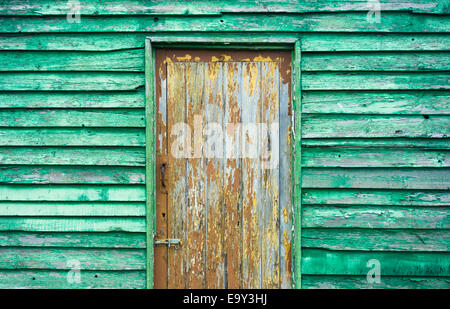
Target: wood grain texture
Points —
{"points": [[73, 239], [232, 204], [251, 240], [376, 197], [176, 183], [320, 262], [132, 61], [64, 224], [379, 143], [375, 81], [72, 118], [375, 157], [70, 81], [71, 209], [58, 99], [110, 137], [57, 258], [296, 141], [285, 188], [25, 192], [35, 174], [57, 279], [150, 161], [376, 239], [311, 42], [196, 178], [377, 178], [140, 7], [374, 126], [281, 22], [376, 217], [375, 102], [214, 182], [72, 156], [123, 61], [379, 61], [388, 282], [270, 174], [160, 269]]}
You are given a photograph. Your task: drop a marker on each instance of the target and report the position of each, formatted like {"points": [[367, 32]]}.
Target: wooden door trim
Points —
{"points": [[292, 44]]}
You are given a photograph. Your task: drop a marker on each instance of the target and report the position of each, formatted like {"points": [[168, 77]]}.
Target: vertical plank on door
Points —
{"points": [[160, 253], [269, 156], [251, 254], [285, 208], [196, 208], [176, 105], [232, 175], [214, 175]]}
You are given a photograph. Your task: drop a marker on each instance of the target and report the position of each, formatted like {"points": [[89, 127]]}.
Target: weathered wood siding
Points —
{"points": [[376, 127]]}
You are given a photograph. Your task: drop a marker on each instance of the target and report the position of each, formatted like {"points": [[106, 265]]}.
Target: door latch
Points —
{"points": [[167, 242]]}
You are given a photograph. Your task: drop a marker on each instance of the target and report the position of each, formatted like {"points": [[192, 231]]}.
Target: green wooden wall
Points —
{"points": [[375, 136]]}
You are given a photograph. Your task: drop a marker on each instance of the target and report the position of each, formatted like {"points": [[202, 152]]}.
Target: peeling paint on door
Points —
{"points": [[226, 208]]}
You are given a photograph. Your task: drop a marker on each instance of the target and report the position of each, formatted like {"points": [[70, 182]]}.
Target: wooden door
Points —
{"points": [[223, 169]]}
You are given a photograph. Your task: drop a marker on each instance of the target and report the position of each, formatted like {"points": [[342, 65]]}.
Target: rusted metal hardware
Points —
{"points": [[168, 242]]}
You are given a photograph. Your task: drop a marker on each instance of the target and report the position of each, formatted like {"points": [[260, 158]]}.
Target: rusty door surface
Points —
{"points": [[223, 169]]}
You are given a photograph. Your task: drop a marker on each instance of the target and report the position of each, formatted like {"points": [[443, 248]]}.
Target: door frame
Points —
{"points": [[235, 42]]}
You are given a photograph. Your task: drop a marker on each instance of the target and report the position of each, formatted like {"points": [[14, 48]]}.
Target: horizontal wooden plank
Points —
{"points": [[376, 240], [376, 217], [72, 118], [356, 157], [65, 224], [57, 279], [326, 238], [55, 99], [73, 240], [375, 81], [59, 258], [360, 282], [133, 61], [72, 209], [71, 175], [336, 22], [196, 7], [377, 178], [118, 156], [314, 126], [375, 126], [421, 143], [393, 61], [124, 60], [314, 42], [67, 81], [394, 102], [72, 137], [114, 81], [375, 197], [92, 193], [326, 262]]}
